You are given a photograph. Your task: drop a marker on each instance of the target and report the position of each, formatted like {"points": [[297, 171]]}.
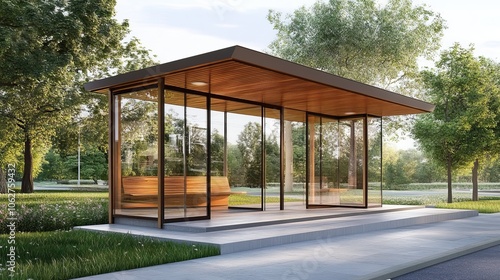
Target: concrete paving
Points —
{"points": [[376, 253], [482, 265]]}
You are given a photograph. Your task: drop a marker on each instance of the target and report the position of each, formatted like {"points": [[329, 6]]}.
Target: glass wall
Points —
{"points": [[336, 160], [351, 162], [294, 158], [245, 148], [186, 138], [272, 159], [219, 153], [324, 181], [374, 161], [135, 146]]}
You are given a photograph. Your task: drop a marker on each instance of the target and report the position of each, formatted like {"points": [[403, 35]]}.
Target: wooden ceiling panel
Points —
{"points": [[240, 73]]}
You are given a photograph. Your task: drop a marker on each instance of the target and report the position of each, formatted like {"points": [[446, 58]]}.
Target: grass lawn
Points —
{"points": [[71, 254], [484, 205], [47, 211], [244, 199]]}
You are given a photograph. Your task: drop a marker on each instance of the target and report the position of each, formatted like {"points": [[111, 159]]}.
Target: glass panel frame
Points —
{"points": [[338, 162], [245, 150], [135, 154]]}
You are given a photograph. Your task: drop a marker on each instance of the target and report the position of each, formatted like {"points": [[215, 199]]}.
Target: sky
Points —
{"points": [[177, 29]]}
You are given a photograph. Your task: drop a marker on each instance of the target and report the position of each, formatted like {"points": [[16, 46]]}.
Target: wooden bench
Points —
{"points": [[142, 191]]}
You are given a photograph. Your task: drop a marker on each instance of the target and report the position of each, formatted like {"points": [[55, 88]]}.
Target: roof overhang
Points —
{"points": [[248, 75]]}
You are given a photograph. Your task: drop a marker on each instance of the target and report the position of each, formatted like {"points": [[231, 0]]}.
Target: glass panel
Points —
{"points": [[244, 154], [219, 178], [351, 151], [314, 154], [329, 162], [175, 171], [272, 158], [136, 137], [295, 158], [196, 156], [218, 148], [374, 161]]}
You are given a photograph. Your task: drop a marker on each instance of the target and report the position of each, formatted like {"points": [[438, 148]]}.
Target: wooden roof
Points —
{"points": [[245, 74]]}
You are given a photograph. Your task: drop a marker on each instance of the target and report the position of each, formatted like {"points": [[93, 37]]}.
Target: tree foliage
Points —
{"points": [[358, 39], [462, 127], [48, 49]]}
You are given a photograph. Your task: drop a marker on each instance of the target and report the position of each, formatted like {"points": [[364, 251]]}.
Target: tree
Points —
{"points": [[49, 49], [462, 127], [250, 146], [358, 39]]}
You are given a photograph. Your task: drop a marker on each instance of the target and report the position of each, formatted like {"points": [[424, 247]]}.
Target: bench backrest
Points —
{"points": [[148, 185]]}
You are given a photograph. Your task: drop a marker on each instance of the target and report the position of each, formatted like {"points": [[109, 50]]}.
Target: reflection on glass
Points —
{"points": [[272, 158], [336, 157], [351, 154], [196, 156], [244, 154], [136, 173], [185, 155], [294, 158], [374, 161]]}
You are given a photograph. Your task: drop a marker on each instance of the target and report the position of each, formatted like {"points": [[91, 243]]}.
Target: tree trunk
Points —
{"points": [[3, 181], [450, 193], [475, 186], [27, 182]]}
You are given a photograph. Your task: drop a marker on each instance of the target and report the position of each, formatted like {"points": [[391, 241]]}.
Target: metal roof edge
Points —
{"points": [[162, 69]]}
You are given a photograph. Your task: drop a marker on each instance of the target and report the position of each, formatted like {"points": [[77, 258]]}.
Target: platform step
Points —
{"points": [[258, 219], [232, 235], [324, 230]]}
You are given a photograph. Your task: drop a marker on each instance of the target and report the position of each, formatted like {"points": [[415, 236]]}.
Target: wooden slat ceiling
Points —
{"points": [[246, 82], [247, 75]]}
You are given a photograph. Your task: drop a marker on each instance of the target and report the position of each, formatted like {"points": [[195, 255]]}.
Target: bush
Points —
{"points": [[55, 211]]}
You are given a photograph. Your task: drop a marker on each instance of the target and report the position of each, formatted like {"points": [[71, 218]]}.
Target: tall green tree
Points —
{"points": [[48, 49], [359, 39], [462, 127]]}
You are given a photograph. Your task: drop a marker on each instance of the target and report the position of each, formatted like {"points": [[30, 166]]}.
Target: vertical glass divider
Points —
{"points": [[111, 133], [381, 159], [365, 160], [185, 148], [263, 158], [308, 160], [161, 152], [209, 153], [282, 161], [225, 165]]}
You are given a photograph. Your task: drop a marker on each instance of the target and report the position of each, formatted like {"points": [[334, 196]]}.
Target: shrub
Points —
{"points": [[55, 211]]}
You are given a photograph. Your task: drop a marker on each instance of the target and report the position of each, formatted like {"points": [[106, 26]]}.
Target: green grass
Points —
{"points": [[244, 199], [47, 211], [484, 205], [71, 254]]}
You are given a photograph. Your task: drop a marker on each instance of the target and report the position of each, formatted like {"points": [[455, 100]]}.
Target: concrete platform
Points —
{"points": [[243, 231], [370, 252]]}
